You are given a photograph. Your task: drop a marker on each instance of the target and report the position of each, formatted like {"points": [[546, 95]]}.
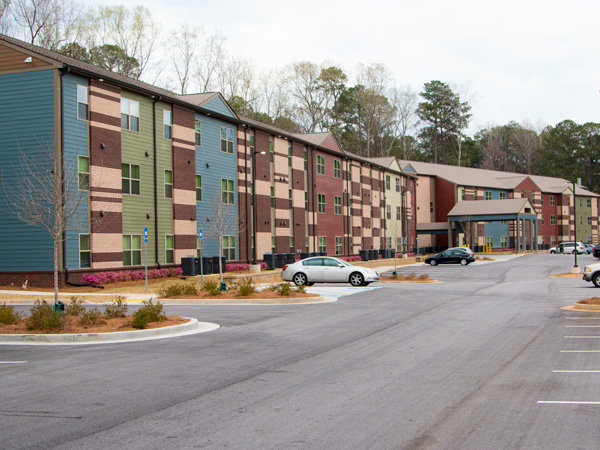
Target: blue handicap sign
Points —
{"points": [[145, 235], [200, 233]]}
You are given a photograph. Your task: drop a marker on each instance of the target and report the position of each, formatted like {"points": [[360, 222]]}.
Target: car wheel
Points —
{"points": [[552, 252], [596, 279], [356, 279], [433, 262], [464, 262], [300, 279]]}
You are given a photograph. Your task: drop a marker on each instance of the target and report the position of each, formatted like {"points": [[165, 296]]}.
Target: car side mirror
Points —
{"points": [[340, 265]]}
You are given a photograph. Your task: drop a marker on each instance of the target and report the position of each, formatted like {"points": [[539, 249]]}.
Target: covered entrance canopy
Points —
{"points": [[518, 210]]}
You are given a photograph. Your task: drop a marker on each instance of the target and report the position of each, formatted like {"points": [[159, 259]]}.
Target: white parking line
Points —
{"points": [[13, 362], [582, 337], [583, 318], [582, 326], [580, 351], [567, 403], [576, 371]]}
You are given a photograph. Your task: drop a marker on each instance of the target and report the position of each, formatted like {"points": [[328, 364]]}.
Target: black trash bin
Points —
{"points": [[290, 258], [304, 255], [280, 259], [363, 255], [188, 265], [269, 259], [314, 254]]}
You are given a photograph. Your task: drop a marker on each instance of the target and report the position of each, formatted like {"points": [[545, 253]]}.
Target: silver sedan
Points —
{"points": [[324, 269]]}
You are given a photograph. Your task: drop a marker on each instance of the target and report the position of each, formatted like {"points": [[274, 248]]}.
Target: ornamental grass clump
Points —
{"points": [[247, 287], [92, 316], [8, 315], [75, 308], [212, 287]]}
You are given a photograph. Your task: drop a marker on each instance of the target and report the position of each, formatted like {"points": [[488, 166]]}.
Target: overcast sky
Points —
{"points": [[524, 60]]}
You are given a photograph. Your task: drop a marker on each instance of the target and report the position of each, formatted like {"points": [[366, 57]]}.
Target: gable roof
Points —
{"points": [[490, 207]]}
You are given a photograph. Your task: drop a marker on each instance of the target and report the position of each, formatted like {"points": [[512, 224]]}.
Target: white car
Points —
{"points": [[568, 247], [325, 269], [592, 273]]}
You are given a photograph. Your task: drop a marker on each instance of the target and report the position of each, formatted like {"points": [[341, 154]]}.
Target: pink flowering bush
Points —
{"points": [[242, 267], [129, 275], [351, 258]]}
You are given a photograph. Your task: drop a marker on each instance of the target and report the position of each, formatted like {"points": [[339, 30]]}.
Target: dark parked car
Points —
{"points": [[451, 256], [597, 251]]}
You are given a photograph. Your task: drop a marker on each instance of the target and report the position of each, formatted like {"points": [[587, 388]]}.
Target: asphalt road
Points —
{"points": [[483, 360]]}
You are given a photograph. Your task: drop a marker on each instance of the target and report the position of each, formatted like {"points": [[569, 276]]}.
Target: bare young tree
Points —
{"points": [[184, 46], [274, 98], [47, 197], [236, 81], [211, 58], [132, 30], [222, 221], [527, 144], [47, 23], [310, 100], [405, 101], [5, 16], [461, 105]]}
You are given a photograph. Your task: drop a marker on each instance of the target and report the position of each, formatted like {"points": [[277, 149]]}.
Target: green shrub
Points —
{"points": [[212, 287], [273, 287], [40, 310], [424, 277], [301, 288], [190, 289], [75, 308], [92, 316], [150, 312], [247, 287], [54, 321], [117, 308], [8, 315], [284, 289]]}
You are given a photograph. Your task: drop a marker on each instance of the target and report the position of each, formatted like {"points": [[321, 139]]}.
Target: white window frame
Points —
{"points": [[228, 248], [198, 188], [168, 186], [83, 100], [227, 195], [337, 168], [321, 203], [131, 180], [82, 175], [320, 164], [129, 109], [132, 250], [323, 244], [167, 124], [337, 205], [87, 251], [227, 140], [338, 245], [169, 251], [198, 132]]}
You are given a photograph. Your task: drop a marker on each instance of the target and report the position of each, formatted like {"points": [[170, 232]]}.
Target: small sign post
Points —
{"points": [[201, 264], [146, 255]]}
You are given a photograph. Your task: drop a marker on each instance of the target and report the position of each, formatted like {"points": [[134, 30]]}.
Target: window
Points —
{"points": [[503, 196], [83, 103], [251, 142], [198, 132], [388, 211], [553, 240], [84, 173], [85, 253], [552, 220], [503, 222], [543, 219], [589, 223], [503, 241], [227, 192], [198, 188], [463, 195], [488, 195], [290, 198], [337, 205], [227, 140], [305, 160], [169, 248], [338, 245], [130, 115], [552, 200], [273, 244], [272, 197], [337, 169], [431, 207], [229, 247], [475, 194], [489, 240], [130, 179], [132, 250], [322, 244], [321, 203], [292, 244], [387, 182], [168, 184], [289, 154], [306, 201], [398, 213], [542, 199], [397, 184], [320, 164], [167, 124]]}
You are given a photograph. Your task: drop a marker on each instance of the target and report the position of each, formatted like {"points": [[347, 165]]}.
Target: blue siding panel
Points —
{"points": [[217, 105], [26, 127], [76, 143], [221, 165]]}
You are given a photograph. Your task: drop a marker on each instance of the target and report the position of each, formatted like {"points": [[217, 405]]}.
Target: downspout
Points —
{"points": [[247, 196], [156, 100], [312, 197]]}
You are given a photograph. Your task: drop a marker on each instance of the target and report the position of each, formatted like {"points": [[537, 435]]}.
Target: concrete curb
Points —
{"points": [[191, 327]]}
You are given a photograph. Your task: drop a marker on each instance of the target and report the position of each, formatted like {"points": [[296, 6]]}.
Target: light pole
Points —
{"points": [[253, 155], [574, 221]]}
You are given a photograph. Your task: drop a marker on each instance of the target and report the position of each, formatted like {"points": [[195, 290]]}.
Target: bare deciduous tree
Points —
{"points": [[223, 221], [185, 43], [47, 198], [5, 16], [274, 98], [211, 58], [405, 101]]}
